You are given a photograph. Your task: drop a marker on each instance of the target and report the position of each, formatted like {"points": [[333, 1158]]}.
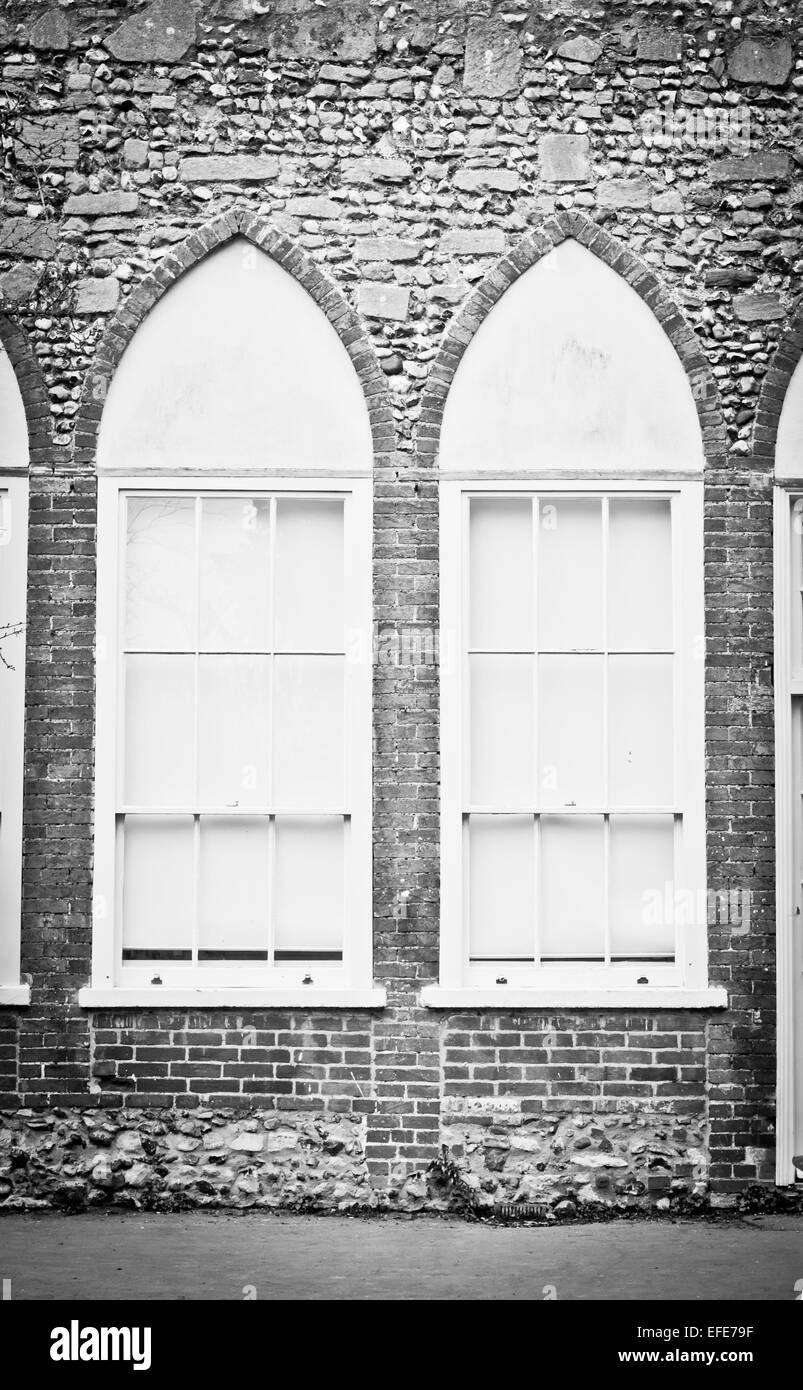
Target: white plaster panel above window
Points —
{"points": [[789, 450], [235, 369], [571, 371], [13, 425]]}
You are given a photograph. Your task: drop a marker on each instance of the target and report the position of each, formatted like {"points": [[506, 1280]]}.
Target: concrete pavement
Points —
{"points": [[271, 1256]]}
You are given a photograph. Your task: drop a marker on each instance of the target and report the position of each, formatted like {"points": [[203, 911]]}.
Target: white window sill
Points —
{"points": [[434, 997], [231, 997], [15, 994]]}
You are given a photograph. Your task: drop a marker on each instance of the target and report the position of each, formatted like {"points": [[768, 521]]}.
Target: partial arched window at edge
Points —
{"points": [[573, 850], [233, 842], [784, 419], [13, 586]]}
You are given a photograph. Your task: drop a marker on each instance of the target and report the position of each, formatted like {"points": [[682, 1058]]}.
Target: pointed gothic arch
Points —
{"points": [[778, 451], [234, 413], [32, 391], [532, 528], [526, 254], [185, 257], [25, 446]]}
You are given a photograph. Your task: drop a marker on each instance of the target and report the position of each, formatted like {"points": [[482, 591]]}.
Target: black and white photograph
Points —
{"points": [[401, 673]]}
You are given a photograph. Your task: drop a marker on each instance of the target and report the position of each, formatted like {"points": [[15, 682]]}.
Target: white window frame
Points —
{"points": [[13, 587], [348, 984], [788, 681], [683, 982]]}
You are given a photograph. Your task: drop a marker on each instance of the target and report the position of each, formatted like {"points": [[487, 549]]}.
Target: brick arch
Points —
{"points": [[32, 389], [189, 253], [775, 386], [532, 247]]}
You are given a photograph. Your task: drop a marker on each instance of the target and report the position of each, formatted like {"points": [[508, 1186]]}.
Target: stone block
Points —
{"points": [[473, 243], [50, 143], [377, 300], [347, 32], [386, 248], [313, 206], [580, 50], [97, 295], [766, 64], [758, 308], [763, 166], [659, 46], [492, 59], [730, 276], [667, 202], [51, 32], [161, 33], [27, 237], [100, 204], [135, 153], [624, 193], [564, 158], [228, 168], [17, 285]]}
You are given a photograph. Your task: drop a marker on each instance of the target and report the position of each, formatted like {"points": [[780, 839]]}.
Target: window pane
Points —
{"points": [[501, 888], [641, 733], [5, 616], [641, 886], [159, 715], [157, 887], [160, 573], [570, 573], [309, 888], [233, 898], [235, 573], [234, 730], [796, 582], [639, 573], [572, 916], [571, 740], [501, 730], [309, 576], [500, 574], [308, 732]]}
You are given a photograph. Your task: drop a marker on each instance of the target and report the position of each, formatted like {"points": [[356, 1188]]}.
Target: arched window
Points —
{"points": [[13, 587], [233, 832], [573, 852]]}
